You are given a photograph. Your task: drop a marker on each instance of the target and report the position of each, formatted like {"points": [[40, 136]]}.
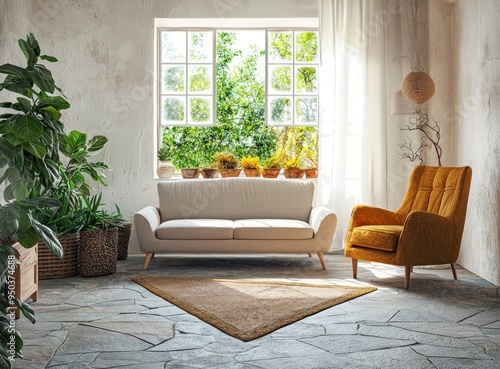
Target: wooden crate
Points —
{"points": [[26, 274]]}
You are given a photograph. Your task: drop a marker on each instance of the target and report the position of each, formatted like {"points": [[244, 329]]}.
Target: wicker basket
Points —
{"points": [[98, 252], [123, 238], [50, 266]]}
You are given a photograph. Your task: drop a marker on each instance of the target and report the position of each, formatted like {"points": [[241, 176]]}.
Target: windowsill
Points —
{"points": [[178, 176]]}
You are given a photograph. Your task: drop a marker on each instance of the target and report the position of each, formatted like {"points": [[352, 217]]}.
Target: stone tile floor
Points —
{"points": [[111, 322]]}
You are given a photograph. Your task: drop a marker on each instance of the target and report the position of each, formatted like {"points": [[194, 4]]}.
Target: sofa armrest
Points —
{"points": [[146, 222], [324, 223]]}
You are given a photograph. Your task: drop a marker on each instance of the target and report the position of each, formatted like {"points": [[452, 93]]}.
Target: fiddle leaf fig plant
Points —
{"points": [[29, 155], [29, 130]]}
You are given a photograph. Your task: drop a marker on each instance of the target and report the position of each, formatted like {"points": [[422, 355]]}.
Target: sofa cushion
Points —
{"points": [[195, 229], [235, 198], [379, 237], [272, 229]]}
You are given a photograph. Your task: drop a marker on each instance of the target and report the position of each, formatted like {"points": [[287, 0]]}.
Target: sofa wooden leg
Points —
{"points": [[354, 268], [408, 269], [149, 255], [310, 255], [322, 260], [452, 265]]}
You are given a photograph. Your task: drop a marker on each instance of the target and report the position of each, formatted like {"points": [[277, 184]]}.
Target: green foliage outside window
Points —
{"points": [[240, 126]]}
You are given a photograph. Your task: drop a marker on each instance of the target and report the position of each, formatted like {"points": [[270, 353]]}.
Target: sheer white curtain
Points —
{"points": [[359, 40]]}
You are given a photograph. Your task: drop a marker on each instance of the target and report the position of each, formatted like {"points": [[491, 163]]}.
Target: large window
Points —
{"points": [[249, 87]]}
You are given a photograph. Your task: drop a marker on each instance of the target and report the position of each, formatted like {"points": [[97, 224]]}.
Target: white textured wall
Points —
{"points": [[476, 43], [105, 52]]}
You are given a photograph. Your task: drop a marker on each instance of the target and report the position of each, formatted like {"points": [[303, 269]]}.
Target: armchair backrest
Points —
{"points": [[440, 190]]}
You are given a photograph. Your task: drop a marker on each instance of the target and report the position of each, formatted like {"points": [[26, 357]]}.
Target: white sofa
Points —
{"points": [[235, 215]]}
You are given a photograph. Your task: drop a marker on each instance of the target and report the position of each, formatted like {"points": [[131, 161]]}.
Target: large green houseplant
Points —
{"points": [[29, 153]]}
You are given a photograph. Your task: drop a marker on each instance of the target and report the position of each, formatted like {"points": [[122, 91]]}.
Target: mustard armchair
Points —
{"points": [[425, 230]]}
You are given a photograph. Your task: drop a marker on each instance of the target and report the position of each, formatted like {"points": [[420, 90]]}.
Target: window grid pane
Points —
{"points": [[186, 68], [299, 104]]}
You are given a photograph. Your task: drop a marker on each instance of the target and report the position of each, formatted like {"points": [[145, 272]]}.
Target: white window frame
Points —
{"points": [[197, 24]]}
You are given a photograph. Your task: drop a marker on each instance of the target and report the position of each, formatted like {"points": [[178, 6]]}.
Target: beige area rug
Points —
{"points": [[248, 309]]}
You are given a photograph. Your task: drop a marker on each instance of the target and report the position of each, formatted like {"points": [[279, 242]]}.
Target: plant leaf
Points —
{"points": [[29, 238], [9, 219], [42, 78], [14, 70], [27, 310], [96, 143], [49, 238], [48, 58], [28, 128], [52, 112], [36, 149], [28, 52], [56, 101]]}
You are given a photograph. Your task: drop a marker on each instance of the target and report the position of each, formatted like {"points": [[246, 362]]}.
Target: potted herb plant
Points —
{"points": [[209, 170], [251, 166], [227, 164], [272, 167], [310, 154], [165, 169], [191, 169], [293, 167]]}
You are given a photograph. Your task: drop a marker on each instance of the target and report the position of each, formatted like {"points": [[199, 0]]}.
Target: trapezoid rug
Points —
{"points": [[248, 309]]}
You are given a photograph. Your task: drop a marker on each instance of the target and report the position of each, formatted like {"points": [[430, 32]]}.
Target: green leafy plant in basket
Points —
{"points": [[72, 185]]}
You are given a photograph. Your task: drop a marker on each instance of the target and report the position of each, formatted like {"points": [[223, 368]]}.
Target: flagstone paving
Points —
{"points": [[111, 322]]}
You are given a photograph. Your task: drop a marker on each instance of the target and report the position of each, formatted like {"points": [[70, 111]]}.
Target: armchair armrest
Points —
{"points": [[146, 222], [324, 223], [427, 238], [370, 215]]}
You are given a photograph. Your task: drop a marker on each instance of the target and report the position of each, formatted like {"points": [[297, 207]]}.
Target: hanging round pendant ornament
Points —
{"points": [[418, 87]]}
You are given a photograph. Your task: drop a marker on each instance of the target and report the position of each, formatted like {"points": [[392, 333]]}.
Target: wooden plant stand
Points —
{"points": [[26, 274]]}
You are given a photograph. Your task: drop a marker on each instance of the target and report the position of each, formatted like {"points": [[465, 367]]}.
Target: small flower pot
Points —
{"points": [[294, 173], [190, 173], [165, 169], [225, 173], [271, 172], [208, 173], [311, 173], [252, 172]]}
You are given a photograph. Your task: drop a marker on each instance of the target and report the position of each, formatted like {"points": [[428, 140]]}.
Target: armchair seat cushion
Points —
{"points": [[196, 229], [272, 229], [378, 237]]}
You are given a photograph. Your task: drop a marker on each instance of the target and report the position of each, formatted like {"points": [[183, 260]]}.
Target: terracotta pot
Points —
{"points": [[311, 173], [271, 172], [294, 173], [208, 173], [190, 173], [230, 172], [253, 172]]}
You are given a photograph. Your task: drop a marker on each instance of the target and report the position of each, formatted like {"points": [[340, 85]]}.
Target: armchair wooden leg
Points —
{"points": [[452, 265], [149, 255], [354, 268], [408, 269], [310, 255], [322, 260]]}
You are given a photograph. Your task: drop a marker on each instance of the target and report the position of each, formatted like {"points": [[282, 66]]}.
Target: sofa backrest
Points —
{"points": [[235, 198]]}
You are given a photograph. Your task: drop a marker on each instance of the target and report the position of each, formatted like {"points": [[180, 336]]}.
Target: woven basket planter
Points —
{"points": [[123, 238], [50, 266], [98, 252]]}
